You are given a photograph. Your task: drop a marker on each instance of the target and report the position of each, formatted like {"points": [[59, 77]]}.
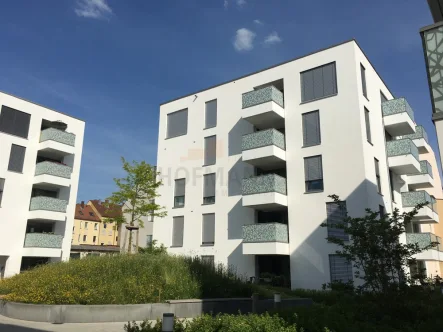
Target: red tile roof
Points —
{"points": [[84, 213], [114, 211]]}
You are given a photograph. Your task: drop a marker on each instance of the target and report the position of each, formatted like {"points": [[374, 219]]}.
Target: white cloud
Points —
{"points": [[241, 3], [244, 40], [273, 38], [226, 4], [258, 22], [98, 9]]}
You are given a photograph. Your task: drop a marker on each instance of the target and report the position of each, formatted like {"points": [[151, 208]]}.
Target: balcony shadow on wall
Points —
{"points": [[236, 217], [310, 260], [236, 174], [235, 135]]}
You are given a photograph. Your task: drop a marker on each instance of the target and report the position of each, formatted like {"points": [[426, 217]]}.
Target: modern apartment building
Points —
{"points": [[248, 165], [40, 154]]}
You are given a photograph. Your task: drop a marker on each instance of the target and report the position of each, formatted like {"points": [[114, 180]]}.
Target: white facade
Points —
{"points": [[37, 202], [348, 165]]}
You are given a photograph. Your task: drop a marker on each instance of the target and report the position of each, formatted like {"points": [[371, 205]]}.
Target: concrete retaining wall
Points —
{"points": [[129, 312]]}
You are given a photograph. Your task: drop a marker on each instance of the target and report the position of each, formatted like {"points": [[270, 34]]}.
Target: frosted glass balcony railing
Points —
{"points": [[401, 147], [420, 132], [424, 240], [264, 184], [42, 240], [260, 96], [263, 138], [412, 198], [55, 169], [396, 106], [267, 232], [57, 136], [48, 204]]}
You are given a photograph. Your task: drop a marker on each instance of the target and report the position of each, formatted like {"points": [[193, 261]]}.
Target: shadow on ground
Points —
{"points": [[15, 328]]}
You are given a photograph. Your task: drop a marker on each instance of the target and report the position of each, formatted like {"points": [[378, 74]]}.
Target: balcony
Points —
{"points": [[423, 240], [398, 117], [264, 108], [420, 139], [422, 180], [47, 208], [42, 245], [403, 156], [264, 149], [50, 174], [267, 192], [427, 214], [57, 141], [265, 239]]}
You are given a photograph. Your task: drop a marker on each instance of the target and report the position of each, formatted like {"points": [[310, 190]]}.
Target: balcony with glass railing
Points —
{"points": [[43, 240], [398, 117], [54, 169], [264, 149], [420, 139], [424, 240], [264, 107], [266, 239], [48, 204], [264, 191], [57, 135], [428, 213], [423, 179], [403, 156]]}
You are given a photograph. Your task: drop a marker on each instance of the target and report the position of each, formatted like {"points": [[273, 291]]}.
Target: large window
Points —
{"points": [[318, 83], [209, 188], [178, 224], [363, 80], [16, 158], [311, 128], [208, 229], [208, 259], [179, 193], [377, 175], [313, 174], [341, 269], [336, 213], [14, 122], [211, 114], [148, 240], [368, 126], [177, 124], [210, 150]]}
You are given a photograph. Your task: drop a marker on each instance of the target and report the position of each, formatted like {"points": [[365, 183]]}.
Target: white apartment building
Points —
{"points": [[40, 154], [248, 165]]}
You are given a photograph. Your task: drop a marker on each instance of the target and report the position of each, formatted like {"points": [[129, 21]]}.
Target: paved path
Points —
{"points": [[15, 325]]}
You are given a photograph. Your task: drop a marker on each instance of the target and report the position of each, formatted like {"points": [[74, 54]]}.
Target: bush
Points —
{"points": [[225, 323], [126, 279]]}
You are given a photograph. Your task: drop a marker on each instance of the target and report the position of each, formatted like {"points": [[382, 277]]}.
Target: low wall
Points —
{"points": [[122, 313]]}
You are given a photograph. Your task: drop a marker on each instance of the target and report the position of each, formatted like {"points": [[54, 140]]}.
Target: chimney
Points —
{"points": [[82, 204]]}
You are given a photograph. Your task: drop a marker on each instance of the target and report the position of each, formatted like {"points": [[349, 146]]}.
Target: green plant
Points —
{"points": [[136, 193], [375, 251], [153, 248]]}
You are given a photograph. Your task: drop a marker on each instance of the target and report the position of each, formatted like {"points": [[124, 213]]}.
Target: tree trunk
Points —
{"points": [[130, 242]]}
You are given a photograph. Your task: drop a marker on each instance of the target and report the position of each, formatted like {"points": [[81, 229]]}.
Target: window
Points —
{"points": [[363, 80], [209, 188], [148, 240], [391, 182], [102, 244], [208, 259], [382, 98], [16, 158], [368, 126], [318, 83], [416, 228], [336, 213], [95, 226], [177, 123], [81, 224], [381, 211], [313, 174], [177, 231], [85, 238], [14, 122], [105, 225], [208, 229], [210, 150], [311, 128], [2, 187], [91, 214], [86, 225], [341, 269], [116, 239], [179, 193], [94, 238], [73, 229], [211, 114], [78, 238], [377, 175]]}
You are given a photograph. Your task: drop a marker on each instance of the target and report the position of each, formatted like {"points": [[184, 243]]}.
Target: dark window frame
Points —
{"points": [[305, 131], [314, 185], [14, 148], [363, 81], [377, 175], [168, 121], [368, 125], [177, 198], [206, 113], [304, 78], [209, 199], [207, 243], [14, 128], [331, 230]]}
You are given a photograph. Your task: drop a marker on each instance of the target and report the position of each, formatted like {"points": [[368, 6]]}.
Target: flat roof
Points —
{"points": [[29, 101], [91, 247], [280, 64]]}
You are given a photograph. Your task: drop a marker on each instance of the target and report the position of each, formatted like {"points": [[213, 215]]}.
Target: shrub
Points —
{"points": [[225, 323], [126, 279]]}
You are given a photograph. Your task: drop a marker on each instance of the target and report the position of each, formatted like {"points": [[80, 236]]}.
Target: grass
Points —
{"points": [[128, 279]]}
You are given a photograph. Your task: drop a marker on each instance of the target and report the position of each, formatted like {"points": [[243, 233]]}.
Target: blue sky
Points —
{"points": [[113, 62]]}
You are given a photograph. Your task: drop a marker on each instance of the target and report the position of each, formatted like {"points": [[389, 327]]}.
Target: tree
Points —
{"points": [[375, 250], [136, 194]]}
